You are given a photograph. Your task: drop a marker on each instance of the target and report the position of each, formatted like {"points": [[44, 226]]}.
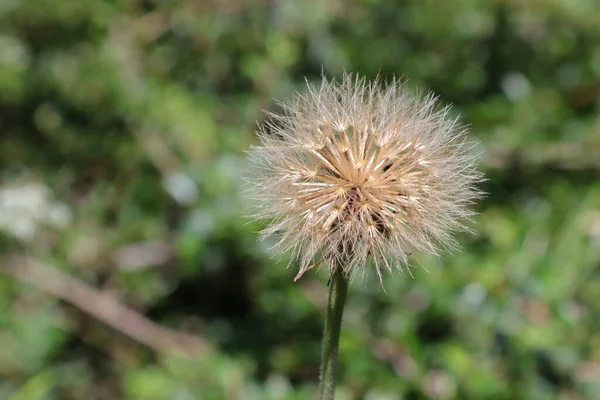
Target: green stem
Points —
{"points": [[338, 287]]}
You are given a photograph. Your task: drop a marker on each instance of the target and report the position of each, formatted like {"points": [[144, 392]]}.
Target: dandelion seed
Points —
{"points": [[357, 170]]}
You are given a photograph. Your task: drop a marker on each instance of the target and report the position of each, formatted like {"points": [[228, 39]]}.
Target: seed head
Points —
{"points": [[356, 170]]}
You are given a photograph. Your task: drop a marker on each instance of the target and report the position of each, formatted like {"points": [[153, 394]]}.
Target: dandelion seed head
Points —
{"points": [[354, 170]]}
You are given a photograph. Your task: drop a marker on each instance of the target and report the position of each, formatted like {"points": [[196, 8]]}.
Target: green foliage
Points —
{"points": [[132, 117]]}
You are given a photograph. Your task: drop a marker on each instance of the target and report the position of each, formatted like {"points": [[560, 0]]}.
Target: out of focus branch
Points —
{"points": [[560, 155], [103, 306]]}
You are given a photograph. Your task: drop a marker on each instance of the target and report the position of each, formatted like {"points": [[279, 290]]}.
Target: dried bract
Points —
{"points": [[354, 170]]}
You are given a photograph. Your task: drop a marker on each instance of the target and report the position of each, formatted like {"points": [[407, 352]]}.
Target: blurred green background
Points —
{"points": [[127, 269]]}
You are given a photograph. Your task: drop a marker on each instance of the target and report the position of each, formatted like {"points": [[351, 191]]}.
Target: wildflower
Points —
{"points": [[356, 170]]}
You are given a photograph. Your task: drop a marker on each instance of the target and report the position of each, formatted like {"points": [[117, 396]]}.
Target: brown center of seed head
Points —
{"points": [[356, 182]]}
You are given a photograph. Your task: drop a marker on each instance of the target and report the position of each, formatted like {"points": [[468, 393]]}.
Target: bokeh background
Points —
{"points": [[127, 269]]}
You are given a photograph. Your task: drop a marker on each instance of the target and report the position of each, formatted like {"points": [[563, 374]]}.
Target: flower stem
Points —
{"points": [[338, 287]]}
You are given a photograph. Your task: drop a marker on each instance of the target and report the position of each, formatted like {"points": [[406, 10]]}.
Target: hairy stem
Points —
{"points": [[338, 287]]}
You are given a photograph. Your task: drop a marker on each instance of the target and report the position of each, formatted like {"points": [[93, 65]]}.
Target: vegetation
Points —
{"points": [[127, 269]]}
